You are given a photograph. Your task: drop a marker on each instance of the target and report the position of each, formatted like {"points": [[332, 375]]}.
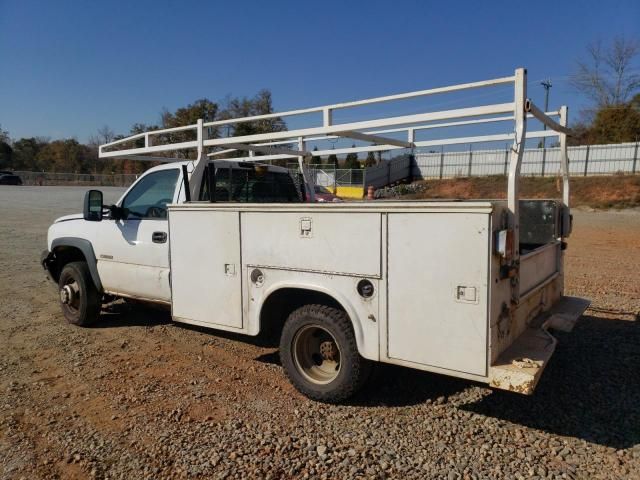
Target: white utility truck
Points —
{"points": [[462, 288]]}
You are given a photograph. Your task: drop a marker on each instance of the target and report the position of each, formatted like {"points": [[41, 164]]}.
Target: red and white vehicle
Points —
{"points": [[323, 194]]}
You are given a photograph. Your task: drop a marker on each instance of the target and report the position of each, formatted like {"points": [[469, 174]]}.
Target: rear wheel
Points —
{"points": [[79, 299], [319, 354]]}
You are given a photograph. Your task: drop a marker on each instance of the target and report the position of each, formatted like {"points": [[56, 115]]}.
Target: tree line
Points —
{"points": [[69, 155], [609, 75]]}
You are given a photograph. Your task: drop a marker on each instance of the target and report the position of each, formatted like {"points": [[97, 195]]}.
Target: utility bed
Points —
{"points": [[440, 302]]}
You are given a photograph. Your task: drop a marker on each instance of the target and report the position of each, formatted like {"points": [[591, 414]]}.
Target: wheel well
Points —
{"points": [[279, 305], [64, 255]]}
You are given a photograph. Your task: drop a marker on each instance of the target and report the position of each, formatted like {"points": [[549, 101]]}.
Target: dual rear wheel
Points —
{"points": [[319, 354]]}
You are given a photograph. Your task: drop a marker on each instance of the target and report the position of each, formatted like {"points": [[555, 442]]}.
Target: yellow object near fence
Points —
{"points": [[349, 191]]}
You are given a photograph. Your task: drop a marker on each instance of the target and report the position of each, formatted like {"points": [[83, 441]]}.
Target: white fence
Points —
{"points": [[389, 172], [583, 160]]}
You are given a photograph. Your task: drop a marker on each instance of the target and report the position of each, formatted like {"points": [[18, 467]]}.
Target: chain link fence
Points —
{"points": [[584, 160], [328, 176], [83, 179]]}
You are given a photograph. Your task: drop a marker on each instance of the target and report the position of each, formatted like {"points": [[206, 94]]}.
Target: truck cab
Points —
{"points": [[127, 253]]}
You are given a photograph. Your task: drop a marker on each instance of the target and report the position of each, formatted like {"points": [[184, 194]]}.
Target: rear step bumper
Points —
{"points": [[519, 367]]}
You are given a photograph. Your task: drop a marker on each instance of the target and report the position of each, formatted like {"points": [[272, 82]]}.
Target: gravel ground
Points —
{"points": [[140, 397]]}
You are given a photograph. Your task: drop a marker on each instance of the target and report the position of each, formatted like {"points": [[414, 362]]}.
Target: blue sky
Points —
{"points": [[68, 68]]}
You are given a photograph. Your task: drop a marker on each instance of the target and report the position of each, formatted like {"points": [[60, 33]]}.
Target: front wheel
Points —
{"points": [[319, 354], [79, 299]]}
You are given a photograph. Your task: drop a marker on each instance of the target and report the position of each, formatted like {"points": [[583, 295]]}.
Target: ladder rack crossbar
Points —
{"points": [[277, 145]]}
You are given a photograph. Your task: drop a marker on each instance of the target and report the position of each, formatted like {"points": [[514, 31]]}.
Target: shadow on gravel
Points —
{"points": [[394, 386], [123, 314], [590, 390]]}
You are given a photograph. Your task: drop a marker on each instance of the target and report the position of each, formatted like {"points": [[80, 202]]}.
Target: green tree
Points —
{"points": [[615, 125], [611, 124], [316, 160], [351, 161], [370, 160], [6, 152], [189, 115], [332, 159], [260, 104], [65, 156], [25, 152], [6, 156], [4, 135]]}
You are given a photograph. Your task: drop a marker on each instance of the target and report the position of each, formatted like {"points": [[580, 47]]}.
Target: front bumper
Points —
{"points": [[47, 259]]}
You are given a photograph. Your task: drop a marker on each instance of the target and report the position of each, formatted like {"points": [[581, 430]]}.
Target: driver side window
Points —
{"points": [[149, 197]]}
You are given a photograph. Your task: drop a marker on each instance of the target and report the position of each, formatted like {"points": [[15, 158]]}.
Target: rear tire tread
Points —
{"points": [[356, 367]]}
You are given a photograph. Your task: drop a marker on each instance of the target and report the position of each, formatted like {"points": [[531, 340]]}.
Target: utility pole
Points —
{"points": [[547, 85]]}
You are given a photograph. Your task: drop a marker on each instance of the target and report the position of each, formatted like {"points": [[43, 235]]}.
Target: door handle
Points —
{"points": [[159, 237]]}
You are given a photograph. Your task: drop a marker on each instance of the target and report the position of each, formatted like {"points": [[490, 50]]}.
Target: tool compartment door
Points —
{"points": [[206, 280], [437, 291]]}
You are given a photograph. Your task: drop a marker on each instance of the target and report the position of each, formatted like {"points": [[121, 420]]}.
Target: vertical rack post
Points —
{"points": [[211, 182], [185, 179], [513, 190], [308, 181], [195, 178], [564, 157]]}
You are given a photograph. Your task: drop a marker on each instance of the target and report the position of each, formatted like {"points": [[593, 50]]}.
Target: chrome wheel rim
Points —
{"points": [[70, 295]]}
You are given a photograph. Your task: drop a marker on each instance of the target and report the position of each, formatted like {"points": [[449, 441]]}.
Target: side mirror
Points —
{"points": [[93, 206], [117, 213]]}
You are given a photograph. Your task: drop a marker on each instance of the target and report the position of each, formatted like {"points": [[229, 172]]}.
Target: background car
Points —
{"points": [[9, 178], [324, 195]]}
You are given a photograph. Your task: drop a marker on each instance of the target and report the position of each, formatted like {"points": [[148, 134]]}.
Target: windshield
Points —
{"points": [[249, 185]]}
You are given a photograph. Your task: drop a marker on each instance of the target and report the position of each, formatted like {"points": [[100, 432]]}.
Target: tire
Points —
{"points": [[79, 299], [319, 354]]}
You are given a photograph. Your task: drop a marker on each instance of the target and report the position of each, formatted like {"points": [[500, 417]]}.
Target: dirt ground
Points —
{"points": [[612, 191], [140, 397]]}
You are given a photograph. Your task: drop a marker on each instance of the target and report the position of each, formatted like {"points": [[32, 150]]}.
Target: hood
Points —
{"points": [[66, 218]]}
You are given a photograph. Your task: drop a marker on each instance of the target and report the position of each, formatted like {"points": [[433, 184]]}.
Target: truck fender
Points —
{"points": [[364, 349], [87, 250]]}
